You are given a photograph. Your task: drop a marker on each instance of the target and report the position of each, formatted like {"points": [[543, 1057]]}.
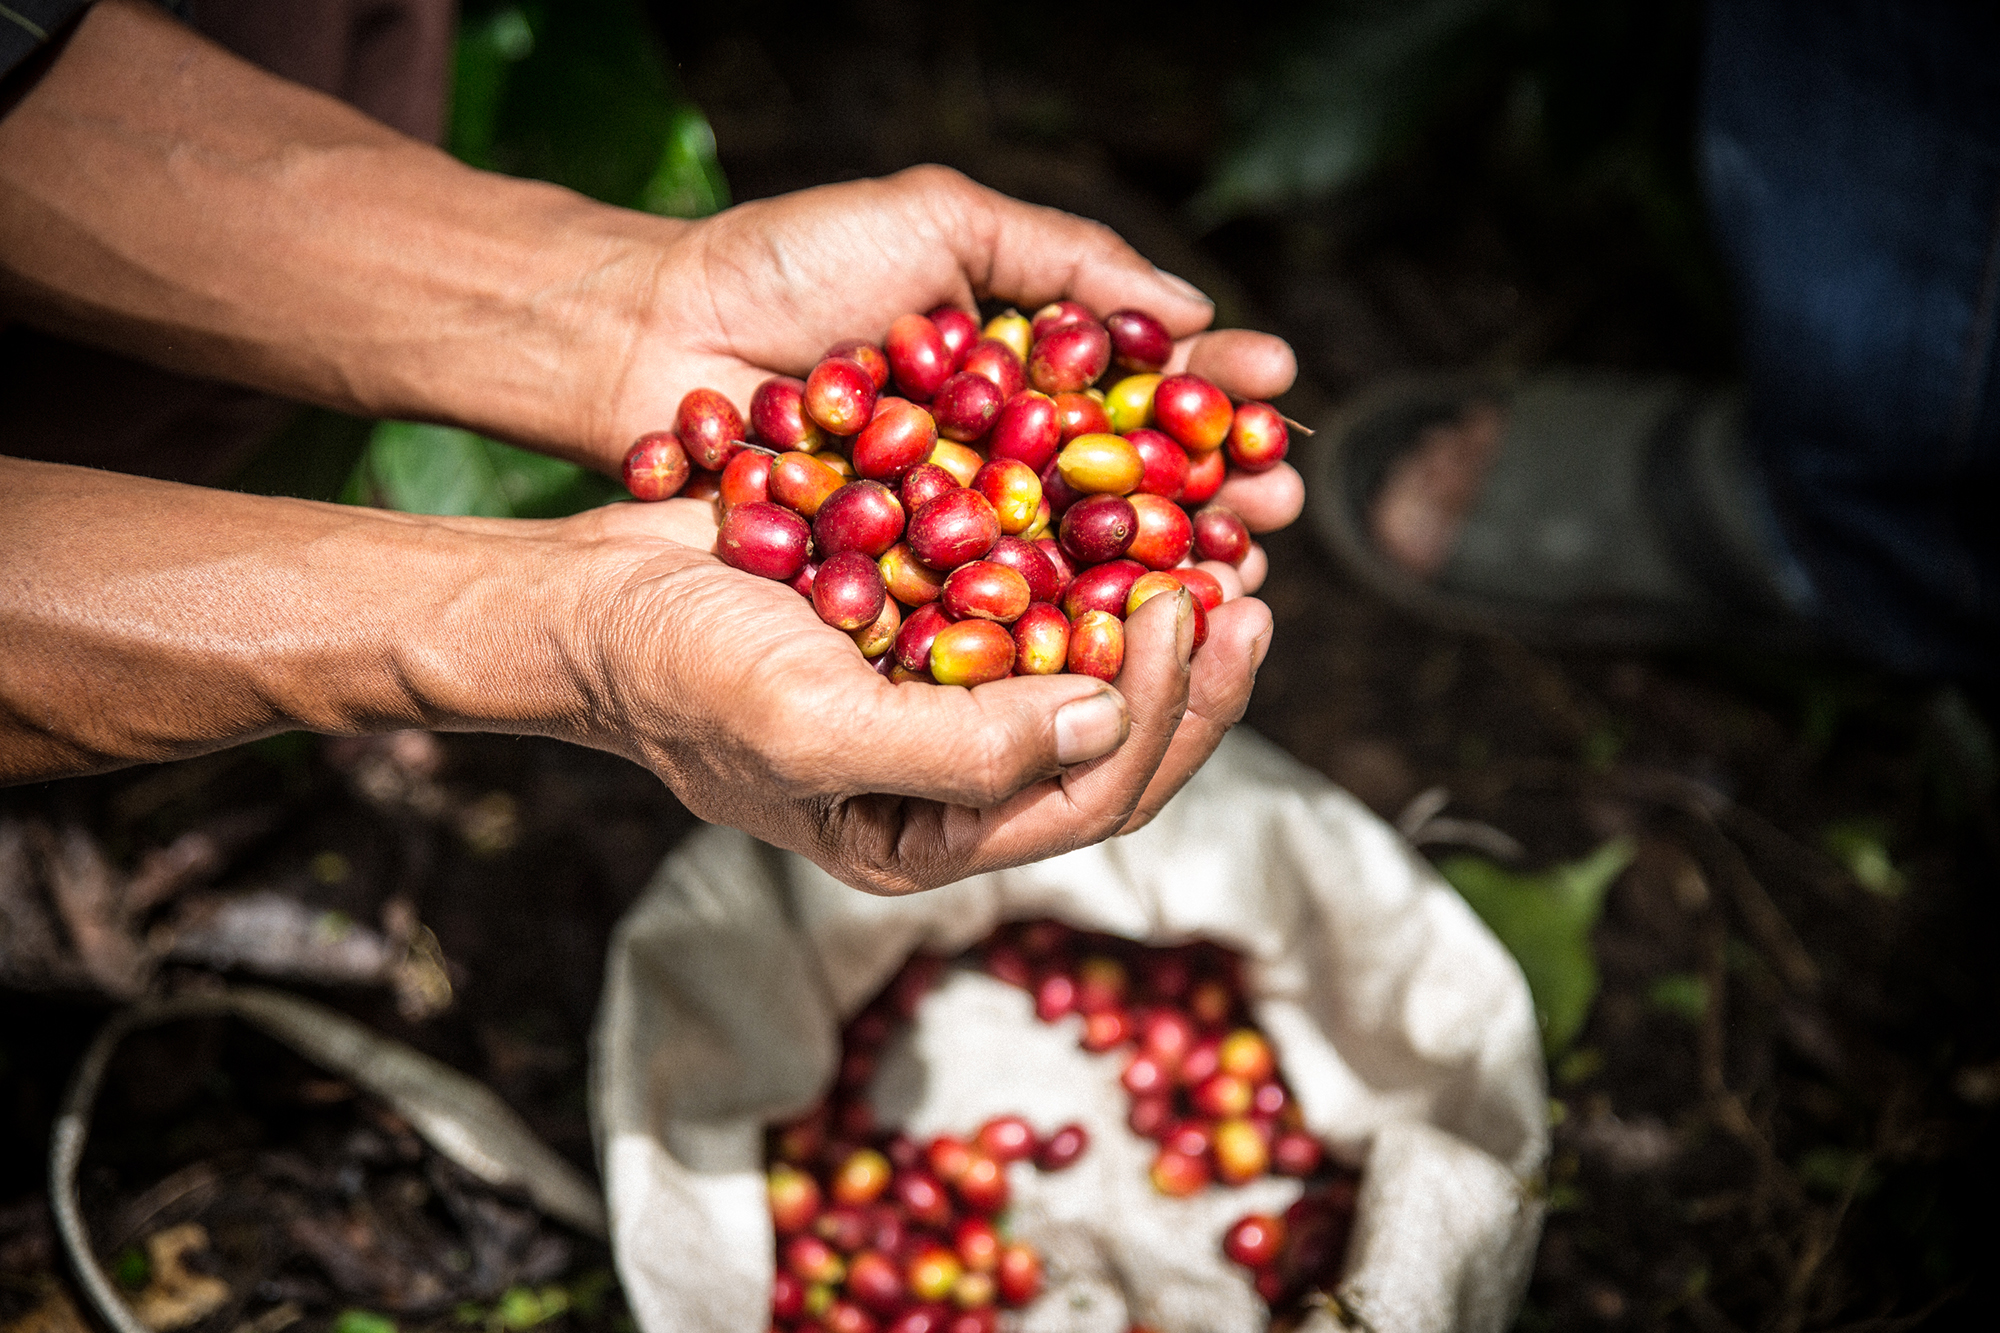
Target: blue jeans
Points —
{"points": [[1851, 153]]}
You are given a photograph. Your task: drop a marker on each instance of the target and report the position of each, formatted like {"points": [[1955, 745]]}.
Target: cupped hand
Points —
{"points": [[760, 716], [766, 287]]}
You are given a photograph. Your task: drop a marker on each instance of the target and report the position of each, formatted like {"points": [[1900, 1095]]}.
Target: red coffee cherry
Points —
{"points": [[1255, 1240], [763, 539], [656, 467], [709, 428], [1139, 342]]}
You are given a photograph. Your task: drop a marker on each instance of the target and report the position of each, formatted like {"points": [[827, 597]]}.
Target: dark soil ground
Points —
{"points": [[1806, 1145]]}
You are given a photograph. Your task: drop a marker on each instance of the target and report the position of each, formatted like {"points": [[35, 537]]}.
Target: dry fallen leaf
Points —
{"points": [[176, 1297]]}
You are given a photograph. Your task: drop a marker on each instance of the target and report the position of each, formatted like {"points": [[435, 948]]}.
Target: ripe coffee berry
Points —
{"points": [[925, 483], [778, 416], [918, 357], [1099, 529], [899, 435], [1106, 588], [954, 529], [971, 652], [801, 483], [1164, 534], [1028, 560], [966, 406], [998, 362], [1006, 1138], [1062, 1148], [1257, 437], [848, 591], [1138, 341], [1055, 315], [864, 354], [763, 539], [840, 396], [1205, 475], [959, 329], [1081, 414], [1164, 464], [1097, 648], [656, 467], [1178, 1175], [1220, 535], [1193, 411], [1069, 357], [977, 1244], [1014, 491], [709, 428], [1255, 1240], [861, 516]]}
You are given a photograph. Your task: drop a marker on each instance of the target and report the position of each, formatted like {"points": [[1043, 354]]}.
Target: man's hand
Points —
{"points": [[766, 287], [773, 723]]}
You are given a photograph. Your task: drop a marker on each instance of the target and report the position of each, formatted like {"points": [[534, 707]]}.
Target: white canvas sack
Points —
{"points": [[1403, 1028]]}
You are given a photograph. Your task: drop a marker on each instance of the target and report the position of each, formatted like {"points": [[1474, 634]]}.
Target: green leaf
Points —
{"points": [[587, 1293], [1862, 845], [425, 469], [1565, 1198], [1545, 921], [1681, 993], [581, 94], [363, 1321], [489, 45], [522, 1308], [688, 181], [131, 1268], [1582, 1063]]}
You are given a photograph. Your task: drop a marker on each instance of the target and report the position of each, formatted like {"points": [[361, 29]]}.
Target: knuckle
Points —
{"points": [[1101, 237], [992, 769], [796, 774], [933, 176], [875, 867]]}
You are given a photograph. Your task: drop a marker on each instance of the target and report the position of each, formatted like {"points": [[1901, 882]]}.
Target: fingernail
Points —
{"points": [[1184, 627], [1183, 286], [1258, 649], [1089, 728]]}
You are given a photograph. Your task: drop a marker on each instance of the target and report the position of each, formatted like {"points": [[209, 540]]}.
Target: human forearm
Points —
{"points": [[140, 621], [162, 197], [144, 621]]}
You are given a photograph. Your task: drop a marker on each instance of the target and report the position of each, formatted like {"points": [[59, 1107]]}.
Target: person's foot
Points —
{"points": [[1426, 493], [1588, 508]]}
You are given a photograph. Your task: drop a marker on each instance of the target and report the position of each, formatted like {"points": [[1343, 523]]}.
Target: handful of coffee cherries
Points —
{"points": [[1027, 487]]}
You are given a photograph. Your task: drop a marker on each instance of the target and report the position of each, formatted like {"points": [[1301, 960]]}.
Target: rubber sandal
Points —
{"points": [[1619, 512]]}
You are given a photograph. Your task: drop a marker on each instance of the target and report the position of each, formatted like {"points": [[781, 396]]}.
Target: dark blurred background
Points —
{"points": [[1775, 1101]]}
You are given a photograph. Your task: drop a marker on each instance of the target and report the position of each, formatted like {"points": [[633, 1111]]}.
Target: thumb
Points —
{"points": [[979, 746], [1032, 255]]}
